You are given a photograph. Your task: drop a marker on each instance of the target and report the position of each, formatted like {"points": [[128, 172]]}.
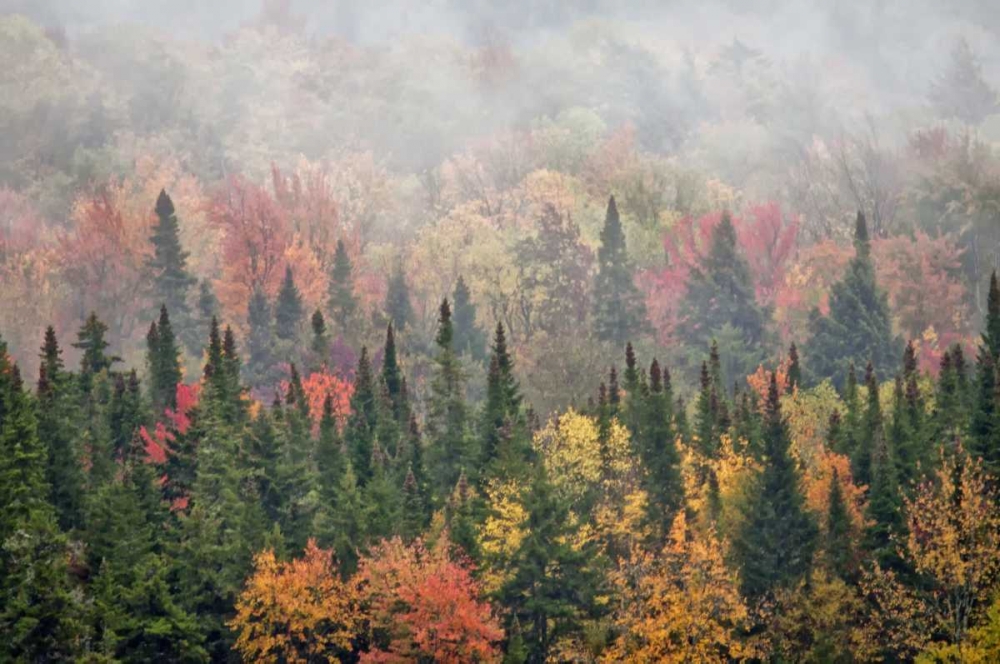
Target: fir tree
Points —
{"points": [[885, 514], [260, 343], [392, 377], [837, 534], [414, 518], [659, 454], [984, 428], [398, 308], [777, 536], [858, 327], [288, 310], [462, 530], [447, 423], [319, 347], [871, 430], [343, 304], [168, 267], [720, 293], [469, 337], [503, 397], [794, 369], [163, 361], [90, 340], [361, 424], [619, 309]]}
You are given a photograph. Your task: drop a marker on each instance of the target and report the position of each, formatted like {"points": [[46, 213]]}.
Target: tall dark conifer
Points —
{"points": [[288, 310], [343, 303], [398, 308], [619, 308], [469, 337], [168, 267]]}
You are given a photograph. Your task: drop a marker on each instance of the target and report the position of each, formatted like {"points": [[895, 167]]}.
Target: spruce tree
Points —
{"points": [[398, 308], [319, 346], [720, 293], [794, 369], [163, 362], [984, 428], [469, 337], [392, 377], [168, 267], [658, 451], [414, 518], [361, 424], [90, 340], [777, 536], [858, 327], [58, 422], [451, 448], [260, 343], [502, 407], [288, 310], [619, 309], [343, 303], [837, 534]]}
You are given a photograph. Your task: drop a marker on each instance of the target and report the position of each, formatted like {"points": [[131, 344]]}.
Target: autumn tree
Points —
{"points": [[619, 309], [297, 611]]}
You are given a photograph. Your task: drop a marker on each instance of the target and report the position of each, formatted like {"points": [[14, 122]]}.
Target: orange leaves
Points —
{"points": [[299, 611], [817, 488], [427, 604], [318, 385]]}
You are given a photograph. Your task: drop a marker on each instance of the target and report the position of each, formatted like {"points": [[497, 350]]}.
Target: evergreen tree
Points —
{"points": [[362, 422], [414, 518], [794, 369], [452, 448], [347, 528], [90, 340], [720, 293], [398, 308], [658, 451], [858, 327], [392, 377], [168, 267], [552, 587], [462, 530], [776, 538], [885, 507], [985, 424], [469, 337], [871, 430], [163, 362], [288, 310], [619, 309], [343, 304], [502, 408], [382, 499], [837, 534], [208, 308], [58, 422], [260, 343], [319, 347]]}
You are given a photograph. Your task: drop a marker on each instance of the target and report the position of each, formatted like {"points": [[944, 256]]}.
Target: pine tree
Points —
{"points": [[260, 343], [452, 448], [163, 361], [469, 337], [553, 586], [398, 308], [343, 304], [90, 340], [720, 292], [837, 534], [777, 536], [319, 347], [58, 421], [619, 309], [168, 267], [362, 422], [858, 327], [288, 310]]}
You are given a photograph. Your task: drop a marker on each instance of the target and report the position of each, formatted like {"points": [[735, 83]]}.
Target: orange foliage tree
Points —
{"points": [[320, 384], [297, 611], [423, 604]]}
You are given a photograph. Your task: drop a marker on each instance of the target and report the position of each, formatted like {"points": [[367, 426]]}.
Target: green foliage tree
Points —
{"points": [[343, 303], [469, 337], [619, 309], [168, 265], [288, 310], [398, 308]]}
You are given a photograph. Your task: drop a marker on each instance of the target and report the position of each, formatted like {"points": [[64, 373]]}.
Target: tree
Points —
{"points": [[858, 327], [720, 292], [424, 606], [619, 310], [392, 377], [777, 536], [90, 340], [319, 347], [985, 425], [398, 308], [451, 448], [361, 424], [297, 611], [288, 310], [658, 450], [502, 408], [343, 303], [168, 265], [207, 309], [685, 606], [961, 91], [163, 363], [469, 337], [260, 346]]}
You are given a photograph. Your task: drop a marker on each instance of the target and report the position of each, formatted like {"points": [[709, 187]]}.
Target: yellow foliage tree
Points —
{"points": [[299, 611], [681, 607]]}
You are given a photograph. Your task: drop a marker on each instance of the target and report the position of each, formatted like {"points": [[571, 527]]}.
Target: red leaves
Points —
{"points": [[177, 422]]}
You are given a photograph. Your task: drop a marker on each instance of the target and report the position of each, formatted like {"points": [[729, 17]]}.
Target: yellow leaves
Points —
{"points": [[817, 487], [571, 449], [681, 607], [502, 531], [299, 611]]}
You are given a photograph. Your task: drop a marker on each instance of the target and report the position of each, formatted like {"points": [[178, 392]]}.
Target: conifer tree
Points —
{"points": [[392, 377], [447, 423], [348, 528], [619, 309], [837, 534], [985, 425], [469, 337], [260, 343], [288, 310], [902, 437], [343, 303], [382, 498], [503, 397], [58, 422], [721, 292], [168, 267], [951, 408], [885, 515], [398, 308], [461, 521], [858, 327], [777, 536], [553, 586], [207, 309], [413, 516], [163, 362], [794, 369], [319, 347], [659, 454], [90, 340], [871, 430], [362, 422]]}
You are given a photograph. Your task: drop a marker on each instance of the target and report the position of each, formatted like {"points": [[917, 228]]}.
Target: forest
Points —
{"points": [[458, 331]]}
